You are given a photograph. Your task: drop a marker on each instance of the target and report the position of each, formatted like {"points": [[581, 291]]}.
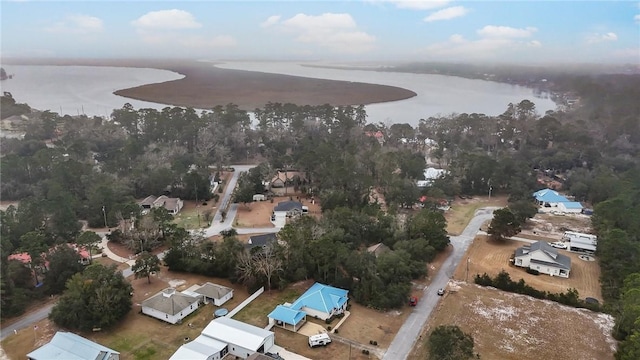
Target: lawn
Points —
{"points": [[462, 211], [256, 312], [192, 216]]}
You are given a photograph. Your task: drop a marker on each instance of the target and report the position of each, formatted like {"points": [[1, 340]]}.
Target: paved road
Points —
{"points": [[410, 330]]}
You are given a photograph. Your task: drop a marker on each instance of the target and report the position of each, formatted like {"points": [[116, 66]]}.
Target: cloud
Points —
{"points": [[637, 19], [336, 32], [494, 42], [77, 24], [506, 32], [166, 19], [271, 20], [598, 38], [415, 4], [447, 14]]}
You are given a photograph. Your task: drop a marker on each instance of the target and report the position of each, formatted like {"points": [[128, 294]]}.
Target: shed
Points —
{"points": [[201, 348], [570, 207], [243, 339], [287, 318], [69, 346], [215, 293]]}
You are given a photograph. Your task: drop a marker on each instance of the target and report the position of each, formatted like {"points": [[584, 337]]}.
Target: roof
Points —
{"points": [[288, 206], [169, 302], [433, 173], [378, 249], [572, 205], [321, 297], [69, 346], [236, 332], [557, 259], [22, 257], [261, 240], [199, 349], [287, 315], [550, 196], [171, 203], [148, 201], [213, 291]]}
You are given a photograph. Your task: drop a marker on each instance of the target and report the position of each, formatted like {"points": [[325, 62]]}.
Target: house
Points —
{"points": [[283, 177], [242, 339], [172, 205], [542, 257], [319, 301], [170, 306], [570, 207], [287, 318], [378, 135], [217, 294], [549, 198], [287, 209], [378, 249], [431, 174], [581, 242], [69, 346], [202, 348], [261, 240]]}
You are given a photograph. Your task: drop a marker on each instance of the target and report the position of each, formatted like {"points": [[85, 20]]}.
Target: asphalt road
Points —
{"points": [[410, 331]]}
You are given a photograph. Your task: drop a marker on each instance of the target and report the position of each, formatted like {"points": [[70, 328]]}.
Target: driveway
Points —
{"points": [[408, 334]]}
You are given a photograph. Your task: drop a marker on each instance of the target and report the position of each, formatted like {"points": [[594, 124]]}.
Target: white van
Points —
{"points": [[319, 340]]}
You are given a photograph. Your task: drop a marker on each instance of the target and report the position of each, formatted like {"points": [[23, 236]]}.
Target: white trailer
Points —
{"points": [[319, 340]]}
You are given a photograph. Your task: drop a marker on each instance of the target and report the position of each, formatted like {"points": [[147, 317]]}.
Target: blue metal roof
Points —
{"points": [[572, 205], [287, 315], [550, 196], [322, 298]]}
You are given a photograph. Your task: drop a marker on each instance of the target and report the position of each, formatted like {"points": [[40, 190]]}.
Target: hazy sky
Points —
{"points": [[519, 31]]}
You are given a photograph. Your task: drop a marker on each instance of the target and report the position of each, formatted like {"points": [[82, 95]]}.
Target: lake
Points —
{"points": [[77, 90], [436, 94], [89, 89]]}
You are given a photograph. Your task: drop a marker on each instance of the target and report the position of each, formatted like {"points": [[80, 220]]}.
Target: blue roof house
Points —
{"points": [[548, 196], [287, 318], [69, 346], [573, 207]]}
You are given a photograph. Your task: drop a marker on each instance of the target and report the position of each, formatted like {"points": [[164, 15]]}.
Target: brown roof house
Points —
{"points": [[217, 294], [170, 306]]}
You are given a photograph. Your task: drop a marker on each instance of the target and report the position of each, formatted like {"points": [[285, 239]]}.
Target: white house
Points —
{"points": [[217, 294], [170, 306], [242, 339], [542, 257], [581, 242], [172, 205], [202, 348], [67, 346]]}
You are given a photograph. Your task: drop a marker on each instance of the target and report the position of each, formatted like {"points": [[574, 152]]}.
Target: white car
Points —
{"points": [[558, 245]]}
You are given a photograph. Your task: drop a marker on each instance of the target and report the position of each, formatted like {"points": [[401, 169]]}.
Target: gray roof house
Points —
{"points": [[215, 293], [544, 258], [170, 306], [69, 346], [288, 206], [261, 240]]}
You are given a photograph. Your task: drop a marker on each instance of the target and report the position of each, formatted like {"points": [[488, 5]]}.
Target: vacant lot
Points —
{"points": [[258, 214], [491, 257], [511, 326], [462, 211], [195, 215]]}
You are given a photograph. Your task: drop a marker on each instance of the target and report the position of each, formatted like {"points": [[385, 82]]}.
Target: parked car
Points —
{"points": [[319, 340], [413, 301], [440, 292], [558, 245]]}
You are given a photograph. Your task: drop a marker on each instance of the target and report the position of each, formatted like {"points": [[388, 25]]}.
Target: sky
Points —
{"points": [[339, 31]]}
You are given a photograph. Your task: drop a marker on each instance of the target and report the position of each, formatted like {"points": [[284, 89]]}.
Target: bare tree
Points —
{"points": [[268, 263]]}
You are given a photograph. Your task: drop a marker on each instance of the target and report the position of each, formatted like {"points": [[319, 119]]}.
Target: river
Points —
{"points": [[89, 89]]}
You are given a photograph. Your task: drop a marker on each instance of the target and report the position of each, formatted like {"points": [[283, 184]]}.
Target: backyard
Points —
{"points": [[511, 326], [257, 214]]}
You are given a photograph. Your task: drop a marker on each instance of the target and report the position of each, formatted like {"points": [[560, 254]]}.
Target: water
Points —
{"points": [[89, 89], [78, 90], [436, 94]]}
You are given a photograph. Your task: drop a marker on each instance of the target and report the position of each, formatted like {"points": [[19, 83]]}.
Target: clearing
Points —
{"points": [[462, 210], [490, 256], [257, 214], [512, 326]]}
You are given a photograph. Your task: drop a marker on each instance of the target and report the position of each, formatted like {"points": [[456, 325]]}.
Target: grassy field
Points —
{"points": [[192, 217], [256, 312], [462, 211]]}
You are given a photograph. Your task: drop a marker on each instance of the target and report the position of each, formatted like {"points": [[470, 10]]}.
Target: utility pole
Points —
{"points": [[466, 274], [104, 214]]}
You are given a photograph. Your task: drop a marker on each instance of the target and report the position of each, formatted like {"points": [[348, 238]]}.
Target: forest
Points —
{"points": [[68, 169]]}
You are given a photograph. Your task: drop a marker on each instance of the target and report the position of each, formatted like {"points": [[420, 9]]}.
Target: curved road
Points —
{"points": [[216, 227], [408, 334]]}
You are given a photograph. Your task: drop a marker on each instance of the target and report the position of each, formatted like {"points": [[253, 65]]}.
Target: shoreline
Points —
{"points": [[205, 86]]}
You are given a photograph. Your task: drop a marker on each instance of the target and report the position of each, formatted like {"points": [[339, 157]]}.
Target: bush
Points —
{"points": [[335, 331], [533, 271], [329, 327]]}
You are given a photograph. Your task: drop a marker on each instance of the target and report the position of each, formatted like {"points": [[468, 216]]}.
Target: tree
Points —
{"points": [[97, 298], [503, 225], [449, 342], [431, 225], [64, 262], [145, 265], [523, 210], [90, 241]]}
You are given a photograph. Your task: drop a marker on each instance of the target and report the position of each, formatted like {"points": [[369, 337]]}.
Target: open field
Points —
{"points": [[257, 214], [205, 86], [193, 215], [491, 257], [511, 326], [462, 211]]}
